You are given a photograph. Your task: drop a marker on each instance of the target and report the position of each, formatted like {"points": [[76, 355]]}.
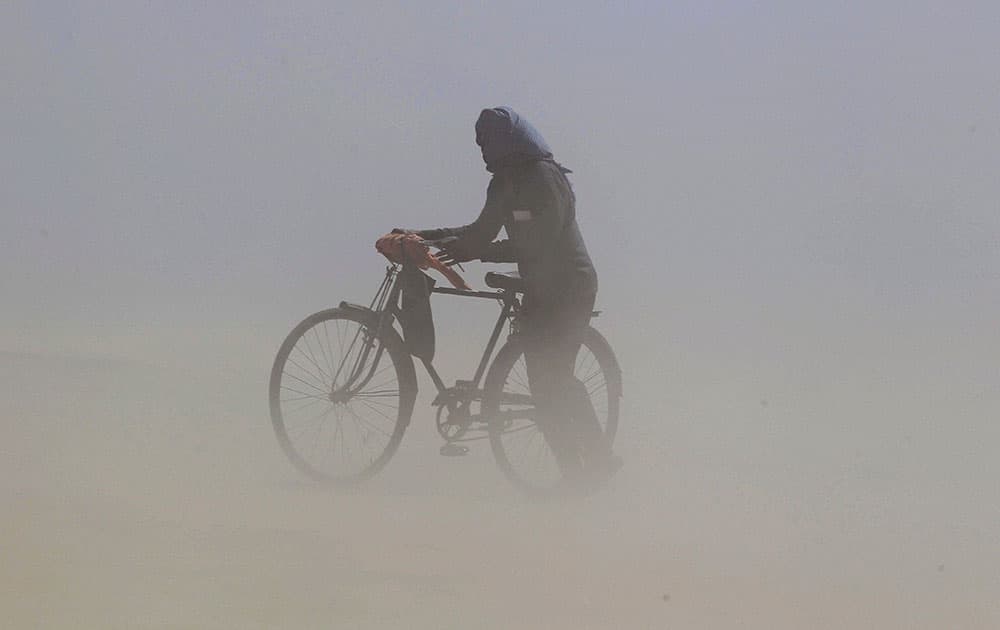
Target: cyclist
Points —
{"points": [[532, 199]]}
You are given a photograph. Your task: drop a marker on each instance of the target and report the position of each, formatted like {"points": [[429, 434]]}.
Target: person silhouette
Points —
{"points": [[531, 198]]}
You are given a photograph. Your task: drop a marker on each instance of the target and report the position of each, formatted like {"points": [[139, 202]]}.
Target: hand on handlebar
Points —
{"points": [[453, 251]]}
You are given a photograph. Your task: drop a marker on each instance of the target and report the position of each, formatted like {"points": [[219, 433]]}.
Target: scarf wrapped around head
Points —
{"points": [[508, 139]]}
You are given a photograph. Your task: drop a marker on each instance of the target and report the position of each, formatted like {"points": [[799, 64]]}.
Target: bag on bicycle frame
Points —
{"points": [[415, 313]]}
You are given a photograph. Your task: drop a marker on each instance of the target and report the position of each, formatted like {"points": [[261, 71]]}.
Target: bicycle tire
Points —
{"points": [[298, 387], [498, 385]]}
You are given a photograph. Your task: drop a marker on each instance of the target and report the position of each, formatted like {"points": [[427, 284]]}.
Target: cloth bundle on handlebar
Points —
{"points": [[402, 248], [415, 316]]}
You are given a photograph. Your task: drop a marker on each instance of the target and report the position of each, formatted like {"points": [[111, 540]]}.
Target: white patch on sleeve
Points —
{"points": [[522, 215]]}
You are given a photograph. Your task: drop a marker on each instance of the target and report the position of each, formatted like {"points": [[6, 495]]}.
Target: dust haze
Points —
{"points": [[793, 211]]}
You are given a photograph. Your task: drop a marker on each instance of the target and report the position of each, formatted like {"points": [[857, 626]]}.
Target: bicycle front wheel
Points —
{"points": [[341, 395], [521, 450]]}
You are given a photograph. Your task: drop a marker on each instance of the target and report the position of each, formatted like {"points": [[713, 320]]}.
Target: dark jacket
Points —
{"points": [[532, 199]]}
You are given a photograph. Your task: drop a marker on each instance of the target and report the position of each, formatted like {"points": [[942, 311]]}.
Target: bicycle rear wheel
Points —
{"points": [[521, 451], [341, 395]]}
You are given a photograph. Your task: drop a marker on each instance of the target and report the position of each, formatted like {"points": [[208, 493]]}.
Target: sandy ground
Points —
{"points": [[142, 497]]}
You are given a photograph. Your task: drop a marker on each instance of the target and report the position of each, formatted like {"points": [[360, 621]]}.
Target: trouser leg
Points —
{"points": [[567, 418], [586, 425], [548, 368]]}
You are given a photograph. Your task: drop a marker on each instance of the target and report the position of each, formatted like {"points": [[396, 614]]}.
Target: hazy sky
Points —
{"points": [[793, 209], [193, 158]]}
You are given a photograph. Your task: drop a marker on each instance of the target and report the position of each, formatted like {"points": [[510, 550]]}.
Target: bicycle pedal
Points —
{"points": [[453, 450]]}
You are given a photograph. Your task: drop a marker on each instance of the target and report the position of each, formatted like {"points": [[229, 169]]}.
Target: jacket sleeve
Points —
{"points": [[499, 252], [477, 235]]}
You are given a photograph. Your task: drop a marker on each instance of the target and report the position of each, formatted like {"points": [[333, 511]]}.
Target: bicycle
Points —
{"points": [[345, 373]]}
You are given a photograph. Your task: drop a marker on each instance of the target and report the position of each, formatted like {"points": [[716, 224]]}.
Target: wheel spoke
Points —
{"points": [[383, 384], [368, 424], [320, 380], [292, 389], [592, 376], [309, 351], [590, 392], [324, 375], [375, 409], [385, 393], [329, 348], [305, 383], [380, 403]]}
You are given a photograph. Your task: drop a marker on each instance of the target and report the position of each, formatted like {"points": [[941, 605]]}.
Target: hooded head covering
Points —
{"points": [[507, 139]]}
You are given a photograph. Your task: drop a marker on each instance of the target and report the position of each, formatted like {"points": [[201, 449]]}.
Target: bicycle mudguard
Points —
{"points": [[370, 316], [357, 308]]}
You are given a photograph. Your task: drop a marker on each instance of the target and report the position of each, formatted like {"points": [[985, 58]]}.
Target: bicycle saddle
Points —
{"points": [[510, 281]]}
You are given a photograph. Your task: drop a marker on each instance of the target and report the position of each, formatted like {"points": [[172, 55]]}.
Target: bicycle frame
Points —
{"points": [[509, 306], [385, 306]]}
